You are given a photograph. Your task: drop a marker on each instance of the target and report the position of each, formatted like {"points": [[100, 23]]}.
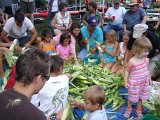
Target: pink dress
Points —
{"points": [[64, 52], [138, 82]]}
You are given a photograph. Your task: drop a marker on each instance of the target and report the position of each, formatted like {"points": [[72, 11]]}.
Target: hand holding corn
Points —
{"points": [[86, 40]]}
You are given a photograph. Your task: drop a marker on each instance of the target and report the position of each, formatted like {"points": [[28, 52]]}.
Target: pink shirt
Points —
{"points": [[72, 44], [64, 52]]}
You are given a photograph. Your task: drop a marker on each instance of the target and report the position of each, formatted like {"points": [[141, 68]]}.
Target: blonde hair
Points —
{"points": [[140, 45], [113, 34], [95, 94]]}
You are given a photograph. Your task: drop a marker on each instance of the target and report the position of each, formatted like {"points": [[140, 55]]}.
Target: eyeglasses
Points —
{"points": [[45, 76]]}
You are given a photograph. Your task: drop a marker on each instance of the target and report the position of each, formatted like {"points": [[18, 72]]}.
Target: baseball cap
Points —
{"points": [[139, 29], [92, 20], [117, 1]]}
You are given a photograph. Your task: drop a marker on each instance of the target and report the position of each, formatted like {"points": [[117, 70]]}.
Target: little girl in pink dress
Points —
{"points": [[137, 77]]}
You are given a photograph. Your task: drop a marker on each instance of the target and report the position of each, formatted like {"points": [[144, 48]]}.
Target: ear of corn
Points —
{"points": [[67, 113]]}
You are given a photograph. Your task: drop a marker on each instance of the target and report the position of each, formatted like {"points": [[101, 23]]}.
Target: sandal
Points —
{"points": [[128, 112], [139, 112]]}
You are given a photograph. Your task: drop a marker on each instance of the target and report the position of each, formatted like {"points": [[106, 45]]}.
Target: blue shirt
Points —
{"points": [[97, 35], [92, 59], [108, 58], [132, 18]]}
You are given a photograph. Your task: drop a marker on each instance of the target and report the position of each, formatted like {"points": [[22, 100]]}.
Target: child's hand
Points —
{"points": [[103, 47], [17, 48], [74, 104], [86, 40], [59, 115]]}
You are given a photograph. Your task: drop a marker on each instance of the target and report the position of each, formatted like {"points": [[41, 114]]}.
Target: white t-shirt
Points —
{"points": [[118, 13], [97, 115], [53, 96], [54, 6], [17, 32]]}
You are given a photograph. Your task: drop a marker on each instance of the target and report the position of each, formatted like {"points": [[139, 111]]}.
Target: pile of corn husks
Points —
{"points": [[84, 76]]}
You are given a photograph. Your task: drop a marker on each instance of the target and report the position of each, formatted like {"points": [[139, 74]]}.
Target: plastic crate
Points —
{"points": [[150, 117]]}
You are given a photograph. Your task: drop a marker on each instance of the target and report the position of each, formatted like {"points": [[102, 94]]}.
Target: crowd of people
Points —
{"points": [[123, 46]]}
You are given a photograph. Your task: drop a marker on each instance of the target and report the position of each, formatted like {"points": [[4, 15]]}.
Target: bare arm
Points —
{"points": [[118, 51], [124, 27], [5, 44], [156, 26], [53, 23], [109, 19], [70, 21], [126, 75], [85, 23], [126, 57], [144, 19], [4, 37], [53, 43], [33, 37]]}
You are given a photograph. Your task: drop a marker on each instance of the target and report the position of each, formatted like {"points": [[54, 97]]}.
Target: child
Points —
{"points": [[118, 67], [63, 48], [3, 17], [137, 77], [53, 96], [92, 57], [109, 50], [47, 43], [93, 103]]}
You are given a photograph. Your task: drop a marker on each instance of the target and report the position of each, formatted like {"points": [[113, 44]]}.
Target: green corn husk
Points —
{"points": [[11, 60], [88, 75]]}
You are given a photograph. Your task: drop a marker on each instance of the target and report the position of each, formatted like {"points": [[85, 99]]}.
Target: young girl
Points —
{"points": [[47, 43], [63, 48], [137, 77], [109, 50], [118, 67]]}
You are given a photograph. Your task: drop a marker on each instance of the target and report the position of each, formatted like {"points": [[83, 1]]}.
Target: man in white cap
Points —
{"points": [[115, 16], [133, 16], [140, 30]]}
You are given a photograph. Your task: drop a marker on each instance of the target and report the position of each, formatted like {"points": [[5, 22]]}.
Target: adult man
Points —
{"points": [[133, 16], [32, 70], [140, 30], [115, 17], [91, 35], [16, 28], [27, 7]]}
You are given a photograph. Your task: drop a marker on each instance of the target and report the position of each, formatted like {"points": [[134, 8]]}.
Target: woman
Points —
{"points": [[92, 6], [75, 36], [62, 20]]}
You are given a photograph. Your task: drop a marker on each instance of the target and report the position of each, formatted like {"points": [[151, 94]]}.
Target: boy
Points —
{"points": [[92, 58], [53, 96], [93, 102]]}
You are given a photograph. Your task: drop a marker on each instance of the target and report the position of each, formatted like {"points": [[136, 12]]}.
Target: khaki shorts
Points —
{"points": [[26, 7]]}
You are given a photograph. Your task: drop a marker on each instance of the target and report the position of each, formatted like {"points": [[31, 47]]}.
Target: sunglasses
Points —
{"points": [[45, 76]]}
